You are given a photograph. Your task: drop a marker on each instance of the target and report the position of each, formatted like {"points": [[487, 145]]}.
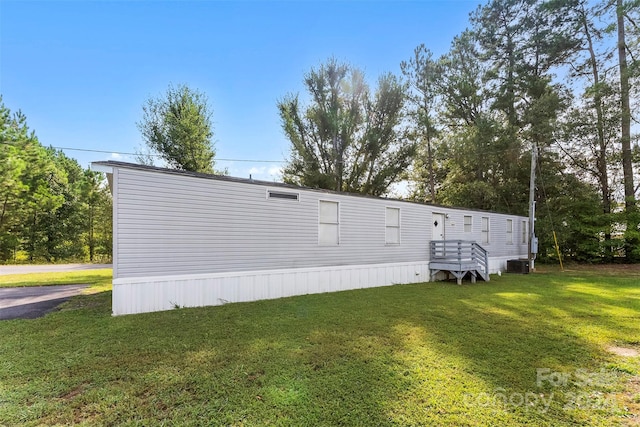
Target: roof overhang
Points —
{"points": [[106, 169], [101, 167]]}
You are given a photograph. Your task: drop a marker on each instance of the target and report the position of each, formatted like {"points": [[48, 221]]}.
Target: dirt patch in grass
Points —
{"points": [[623, 351]]}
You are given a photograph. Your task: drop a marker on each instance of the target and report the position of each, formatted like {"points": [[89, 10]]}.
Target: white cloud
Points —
{"points": [[275, 171], [116, 156], [257, 171]]}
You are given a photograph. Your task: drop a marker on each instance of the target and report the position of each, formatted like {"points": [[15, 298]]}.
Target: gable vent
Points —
{"points": [[283, 195]]}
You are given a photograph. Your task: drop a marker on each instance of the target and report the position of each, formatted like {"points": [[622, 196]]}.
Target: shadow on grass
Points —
{"points": [[502, 334], [402, 355]]}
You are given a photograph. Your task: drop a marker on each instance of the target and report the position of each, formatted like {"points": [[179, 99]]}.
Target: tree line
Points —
{"points": [[558, 78], [51, 209]]}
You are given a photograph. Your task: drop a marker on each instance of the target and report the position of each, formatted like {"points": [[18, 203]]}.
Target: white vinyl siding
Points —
{"points": [[468, 223], [171, 223], [524, 232], [329, 224], [509, 232], [485, 229], [392, 226]]}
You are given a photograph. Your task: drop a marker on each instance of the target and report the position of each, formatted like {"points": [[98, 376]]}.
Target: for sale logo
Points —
{"points": [[589, 394]]}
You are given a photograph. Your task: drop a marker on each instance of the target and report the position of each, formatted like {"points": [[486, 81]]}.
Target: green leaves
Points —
{"points": [[44, 209], [177, 128], [347, 139]]}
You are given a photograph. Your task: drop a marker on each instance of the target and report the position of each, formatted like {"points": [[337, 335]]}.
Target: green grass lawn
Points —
{"points": [[519, 350], [100, 280]]}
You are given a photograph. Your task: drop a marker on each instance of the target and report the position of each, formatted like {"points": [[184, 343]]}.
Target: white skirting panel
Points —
{"points": [[146, 294]]}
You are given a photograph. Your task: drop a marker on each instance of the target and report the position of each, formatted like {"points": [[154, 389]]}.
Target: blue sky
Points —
{"points": [[81, 70]]}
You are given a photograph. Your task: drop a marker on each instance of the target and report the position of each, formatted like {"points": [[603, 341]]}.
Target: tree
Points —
{"points": [[12, 188], [423, 73], [44, 211], [591, 127], [177, 127], [64, 226], [28, 194], [97, 206], [569, 206], [498, 98], [483, 163], [632, 233], [346, 139], [521, 41], [629, 190]]}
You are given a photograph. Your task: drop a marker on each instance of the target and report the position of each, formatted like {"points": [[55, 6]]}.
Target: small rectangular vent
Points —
{"points": [[283, 195]]}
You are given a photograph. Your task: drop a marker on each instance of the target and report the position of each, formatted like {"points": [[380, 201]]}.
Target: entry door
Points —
{"points": [[438, 226]]}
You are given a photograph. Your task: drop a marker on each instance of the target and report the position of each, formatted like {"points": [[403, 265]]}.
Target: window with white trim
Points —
{"points": [[392, 226], [509, 232], [524, 232], [468, 223], [328, 223], [485, 229]]}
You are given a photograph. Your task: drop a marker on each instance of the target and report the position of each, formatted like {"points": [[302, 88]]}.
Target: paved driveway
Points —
{"points": [[49, 268], [36, 301]]}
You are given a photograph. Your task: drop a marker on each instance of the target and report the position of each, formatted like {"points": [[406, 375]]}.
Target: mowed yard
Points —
{"points": [[551, 348]]}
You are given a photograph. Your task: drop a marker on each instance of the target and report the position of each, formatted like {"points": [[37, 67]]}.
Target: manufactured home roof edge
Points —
{"points": [[113, 163]]}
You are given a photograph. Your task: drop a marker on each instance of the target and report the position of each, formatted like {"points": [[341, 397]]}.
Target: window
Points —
{"points": [[328, 225], [392, 222], [468, 221], [485, 229], [509, 232], [524, 232], [282, 195]]}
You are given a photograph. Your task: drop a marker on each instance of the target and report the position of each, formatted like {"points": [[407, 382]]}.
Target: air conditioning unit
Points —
{"points": [[518, 266]]}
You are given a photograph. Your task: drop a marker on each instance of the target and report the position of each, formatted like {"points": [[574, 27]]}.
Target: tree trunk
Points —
{"points": [[511, 112], [91, 241], [625, 136], [4, 209], [601, 161], [33, 237], [432, 183]]}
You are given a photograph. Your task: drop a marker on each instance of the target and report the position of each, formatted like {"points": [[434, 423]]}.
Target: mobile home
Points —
{"points": [[189, 239]]}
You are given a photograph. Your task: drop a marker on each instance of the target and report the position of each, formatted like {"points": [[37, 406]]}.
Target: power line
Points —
{"points": [[158, 155], [89, 150]]}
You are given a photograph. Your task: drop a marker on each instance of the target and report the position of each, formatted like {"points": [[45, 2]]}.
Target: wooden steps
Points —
{"points": [[459, 258]]}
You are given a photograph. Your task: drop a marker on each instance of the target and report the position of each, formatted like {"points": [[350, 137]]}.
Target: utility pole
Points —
{"points": [[533, 240]]}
